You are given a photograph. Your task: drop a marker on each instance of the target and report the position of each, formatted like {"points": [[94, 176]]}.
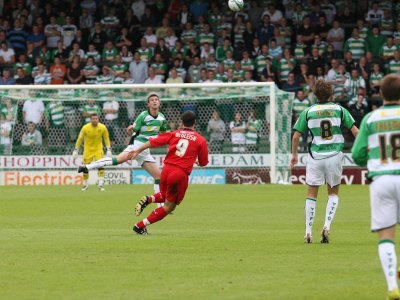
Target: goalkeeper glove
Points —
{"points": [[109, 153], [75, 153]]}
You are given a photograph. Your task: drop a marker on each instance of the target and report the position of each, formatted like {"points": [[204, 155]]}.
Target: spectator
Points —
{"points": [[375, 80], [174, 78], [285, 65], [298, 15], [68, 32], [238, 136], [55, 122], [374, 15], [358, 109], [152, 79], [306, 31], [151, 38], [76, 51], [36, 38], [52, 32], [386, 23], [110, 22], [98, 37], [124, 39], [111, 113], [216, 130], [6, 79], [17, 37], [86, 22], [126, 55], [315, 61], [336, 36], [394, 64], [148, 19], [93, 53], [33, 111], [194, 70], [138, 69], [109, 53], [275, 51], [42, 77], [5, 135], [90, 108], [21, 78], [119, 70], [75, 72], [269, 70], [349, 62], [375, 41], [32, 137], [265, 31], [355, 45], [353, 83], [253, 128], [7, 55], [57, 72], [61, 52], [329, 10], [90, 71], [161, 32], [198, 8], [388, 49], [145, 52], [105, 77], [291, 85], [138, 7], [163, 50]]}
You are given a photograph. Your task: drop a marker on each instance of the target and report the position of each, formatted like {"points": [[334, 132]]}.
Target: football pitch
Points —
{"points": [[222, 242]]}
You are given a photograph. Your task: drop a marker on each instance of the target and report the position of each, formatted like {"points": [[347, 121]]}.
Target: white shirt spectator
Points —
{"points": [[153, 80], [275, 17], [139, 71], [238, 137], [52, 40], [33, 111], [170, 41], [138, 8], [374, 16], [34, 138], [7, 55], [150, 39], [68, 32], [5, 131], [111, 105]]}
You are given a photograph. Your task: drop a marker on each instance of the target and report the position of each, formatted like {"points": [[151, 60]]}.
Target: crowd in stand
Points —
{"points": [[350, 43]]}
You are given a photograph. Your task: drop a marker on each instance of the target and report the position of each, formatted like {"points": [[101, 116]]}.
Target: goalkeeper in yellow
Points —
{"points": [[93, 134]]}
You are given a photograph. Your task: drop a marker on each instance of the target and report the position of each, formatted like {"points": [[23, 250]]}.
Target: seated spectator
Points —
{"points": [[375, 14], [119, 70], [7, 79], [161, 31], [7, 55], [138, 69], [90, 71], [356, 45], [21, 78], [194, 70], [57, 72], [174, 78], [336, 36], [388, 49], [163, 50], [74, 72], [238, 136], [375, 80], [375, 41], [269, 70], [110, 22], [124, 39], [151, 38], [152, 77], [275, 51], [52, 31], [98, 37], [61, 52], [178, 65], [42, 76], [360, 94], [92, 52], [17, 37], [24, 64], [170, 39], [216, 132], [45, 55], [111, 113], [55, 122], [68, 32], [315, 61], [32, 136]]}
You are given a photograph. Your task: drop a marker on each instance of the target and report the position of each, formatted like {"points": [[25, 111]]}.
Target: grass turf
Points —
{"points": [[222, 242]]}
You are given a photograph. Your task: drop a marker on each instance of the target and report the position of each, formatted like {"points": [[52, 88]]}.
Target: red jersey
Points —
{"points": [[185, 146]]}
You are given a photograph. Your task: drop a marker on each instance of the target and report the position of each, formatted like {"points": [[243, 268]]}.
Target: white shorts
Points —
{"points": [[143, 157], [385, 201], [327, 170]]}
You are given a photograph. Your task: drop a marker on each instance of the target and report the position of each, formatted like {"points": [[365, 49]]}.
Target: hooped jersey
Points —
{"points": [[378, 142], [324, 122], [147, 126]]}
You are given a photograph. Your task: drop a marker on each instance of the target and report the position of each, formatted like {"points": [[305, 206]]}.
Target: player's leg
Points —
{"points": [[314, 179], [333, 175], [385, 207], [105, 161], [154, 171], [175, 185], [86, 159], [100, 172]]}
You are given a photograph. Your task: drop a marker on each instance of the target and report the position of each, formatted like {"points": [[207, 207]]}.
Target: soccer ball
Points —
{"points": [[236, 5]]}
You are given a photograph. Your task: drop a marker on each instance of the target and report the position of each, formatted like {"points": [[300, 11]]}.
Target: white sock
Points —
{"points": [[106, 161], [331, 206], [85, 182], [101, 181], [309, 212], [387, 254], [157, 190]]}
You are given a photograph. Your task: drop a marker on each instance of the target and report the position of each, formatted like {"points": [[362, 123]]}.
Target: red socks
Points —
{"points": [[155, 216], [156, 198]]}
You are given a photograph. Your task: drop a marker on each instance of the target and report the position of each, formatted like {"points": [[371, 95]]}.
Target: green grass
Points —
{"points": [[222, 242]]}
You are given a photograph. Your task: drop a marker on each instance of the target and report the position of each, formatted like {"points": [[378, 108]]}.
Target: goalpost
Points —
{"points": [[255, 149]]}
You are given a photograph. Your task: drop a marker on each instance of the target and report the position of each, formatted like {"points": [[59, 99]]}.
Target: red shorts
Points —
{"points": [[173, 184]]}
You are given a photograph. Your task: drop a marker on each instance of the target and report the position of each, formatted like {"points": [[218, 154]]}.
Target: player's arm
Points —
{"points": [[106, 138], [164, 127], [359, 152], [79, 141], [299, 128], [135, 127], [160, 140], [202, 157]]}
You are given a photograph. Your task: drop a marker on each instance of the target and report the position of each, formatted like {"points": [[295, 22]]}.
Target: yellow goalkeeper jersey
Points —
{"points": [[93, 137]]}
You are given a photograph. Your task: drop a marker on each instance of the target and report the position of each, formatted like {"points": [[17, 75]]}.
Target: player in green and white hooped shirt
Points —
{"points": [[378, 146], [324, 162], [148, 124]]}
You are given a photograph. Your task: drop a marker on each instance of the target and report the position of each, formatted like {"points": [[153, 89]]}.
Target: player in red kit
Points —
{"points": [[186, 147]]}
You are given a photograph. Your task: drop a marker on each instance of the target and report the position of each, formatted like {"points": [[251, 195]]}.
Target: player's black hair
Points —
{"points": [[390, 88], [94, 115], [188, 118]]}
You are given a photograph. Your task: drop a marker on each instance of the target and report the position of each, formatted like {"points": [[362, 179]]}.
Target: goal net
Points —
{"points": [[247, 125]]}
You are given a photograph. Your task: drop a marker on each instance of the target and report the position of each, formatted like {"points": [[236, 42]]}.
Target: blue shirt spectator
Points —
{"points": [[36, 38], [198, 8], [17, 37], [6, 79], [265, 31]]}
